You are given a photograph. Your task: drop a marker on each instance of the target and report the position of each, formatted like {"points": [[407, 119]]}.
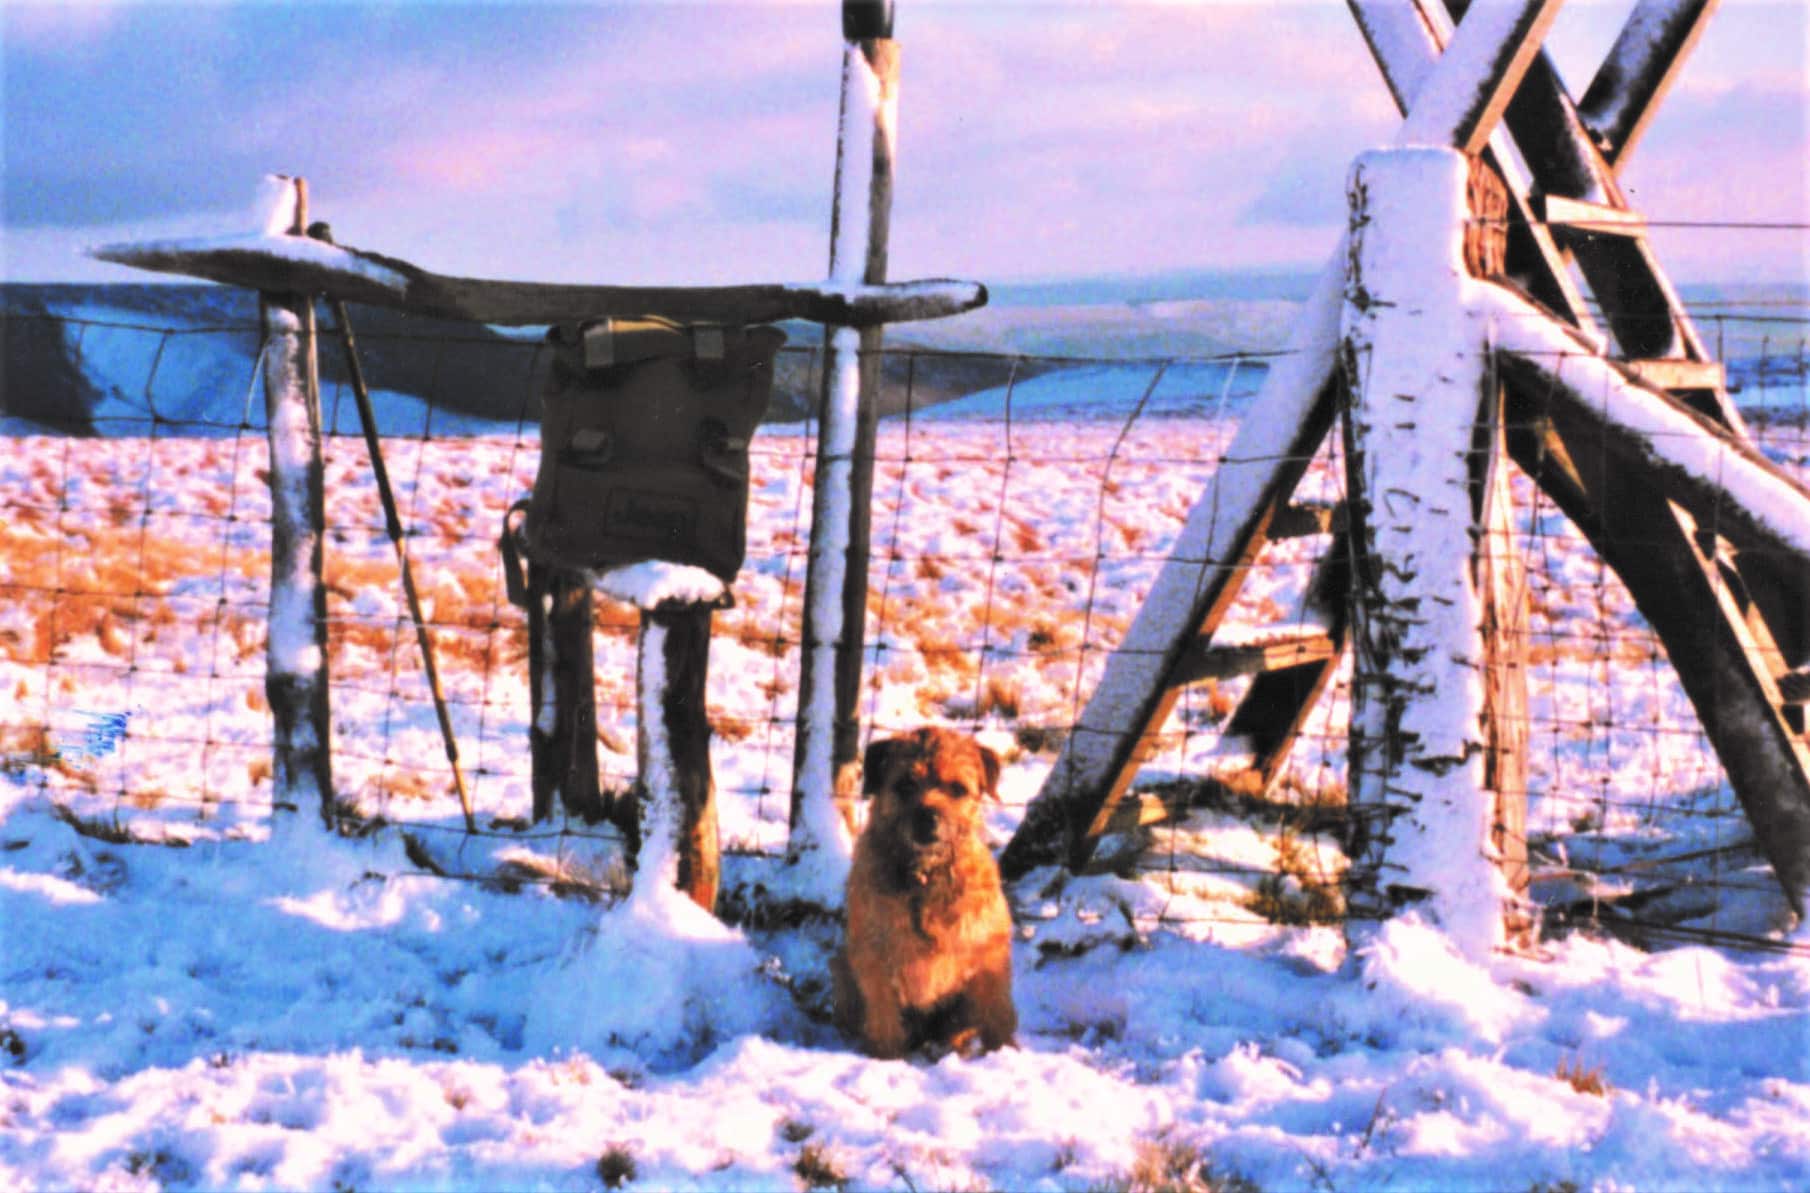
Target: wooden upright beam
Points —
{"points": [[678, 823], [562, 738], [295, 675], [827, 750], [1419, 482]]}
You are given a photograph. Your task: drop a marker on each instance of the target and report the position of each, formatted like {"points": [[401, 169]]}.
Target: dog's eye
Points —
{"points": [[959, 790]]}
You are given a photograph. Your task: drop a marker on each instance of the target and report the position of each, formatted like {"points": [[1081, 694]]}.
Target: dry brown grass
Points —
{"points": [[1584, 1079], [819, 1168], [1166, 1164]]}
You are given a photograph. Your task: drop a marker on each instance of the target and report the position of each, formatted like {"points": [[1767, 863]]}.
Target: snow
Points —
{"points": [[1240, 486], [322, 262], [1414, 336], [1451, 99], [653, 583], [822, 848], [439, 1034], [1777, 504], [662, 826], [236, 1014], [867, 133]]}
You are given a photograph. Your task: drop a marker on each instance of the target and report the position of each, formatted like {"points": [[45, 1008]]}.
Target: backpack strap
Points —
{"points": [[518, 578]]}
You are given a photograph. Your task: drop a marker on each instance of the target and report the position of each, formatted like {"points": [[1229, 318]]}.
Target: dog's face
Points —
{"points": [[927, 789]]}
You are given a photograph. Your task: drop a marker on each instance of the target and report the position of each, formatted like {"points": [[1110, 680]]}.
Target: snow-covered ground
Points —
{"points": [[235, 1014]]}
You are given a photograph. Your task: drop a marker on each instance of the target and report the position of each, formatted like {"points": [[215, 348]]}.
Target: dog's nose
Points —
{"points": [[924, 826]]}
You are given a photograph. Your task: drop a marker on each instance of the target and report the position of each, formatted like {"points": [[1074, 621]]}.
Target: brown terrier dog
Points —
{"points": [[928, 957]]}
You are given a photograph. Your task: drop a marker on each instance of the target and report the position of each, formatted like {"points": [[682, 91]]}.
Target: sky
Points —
{"points": [[667, 143]]}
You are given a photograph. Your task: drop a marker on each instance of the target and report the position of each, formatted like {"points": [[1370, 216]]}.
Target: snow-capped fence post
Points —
{"points": [[676, 842], [1422, 431], [827, 749], [295, 677]]}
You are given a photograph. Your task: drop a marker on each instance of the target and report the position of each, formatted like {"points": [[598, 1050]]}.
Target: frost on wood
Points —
{"points": [[819, 847], [324, 263], [1706, 466], [1462, 97], [678, 828], [1417, 362], [864, 154], [657, 863], [1651, 45], [278, 205], [296, 659]]}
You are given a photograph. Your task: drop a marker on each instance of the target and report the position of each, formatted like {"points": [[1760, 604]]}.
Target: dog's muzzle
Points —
{"points": [[925, 851]]}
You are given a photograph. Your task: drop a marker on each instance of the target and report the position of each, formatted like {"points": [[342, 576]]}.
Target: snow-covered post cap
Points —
{"points": [[679, 847], [656, 584], [270, 254], [279, 200]]}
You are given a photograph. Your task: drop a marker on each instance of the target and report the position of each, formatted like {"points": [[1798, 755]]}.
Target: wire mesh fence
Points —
{"points": [[1022, 507]]}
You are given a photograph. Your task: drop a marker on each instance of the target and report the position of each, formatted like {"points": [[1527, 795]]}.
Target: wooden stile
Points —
{"points": [[1725, 587]]}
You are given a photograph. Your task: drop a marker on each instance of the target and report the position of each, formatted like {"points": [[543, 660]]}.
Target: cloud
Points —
{"points": [[63, 29], [694, 143]]}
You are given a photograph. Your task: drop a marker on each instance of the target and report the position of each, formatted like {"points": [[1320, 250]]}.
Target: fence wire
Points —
{"points": [[1023, 505]]}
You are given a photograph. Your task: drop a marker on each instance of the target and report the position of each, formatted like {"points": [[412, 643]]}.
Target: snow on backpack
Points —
{"points": [[645, 426]]}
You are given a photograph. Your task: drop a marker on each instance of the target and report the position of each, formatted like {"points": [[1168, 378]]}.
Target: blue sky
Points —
{"points": [[693, 143]]}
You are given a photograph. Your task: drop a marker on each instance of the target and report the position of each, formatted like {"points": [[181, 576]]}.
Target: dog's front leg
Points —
{"points": [[882, 1020], [990, 1000]]}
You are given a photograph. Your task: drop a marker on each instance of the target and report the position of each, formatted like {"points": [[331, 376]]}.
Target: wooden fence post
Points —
{"points": [[678, 845], [827, 750], [295, 676], [1421, 720], [562, 738]]}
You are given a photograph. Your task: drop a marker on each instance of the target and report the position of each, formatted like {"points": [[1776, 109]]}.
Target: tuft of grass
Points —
{"points": [[160, 1166], [1297, 893], [1166, 1164], [818, 1168], [1003, 695], [616, 1167], [1038, 739], [1573, 1072]]}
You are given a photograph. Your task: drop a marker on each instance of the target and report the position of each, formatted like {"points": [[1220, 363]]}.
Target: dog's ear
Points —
{"points": [[989, 763], [874, 764]]}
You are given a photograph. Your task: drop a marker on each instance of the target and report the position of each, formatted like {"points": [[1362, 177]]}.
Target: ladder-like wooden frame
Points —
{"points": [[1732, 610]]}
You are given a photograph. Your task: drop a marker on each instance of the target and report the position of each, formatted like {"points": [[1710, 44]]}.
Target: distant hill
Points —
{"points": [[117, 359]]}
